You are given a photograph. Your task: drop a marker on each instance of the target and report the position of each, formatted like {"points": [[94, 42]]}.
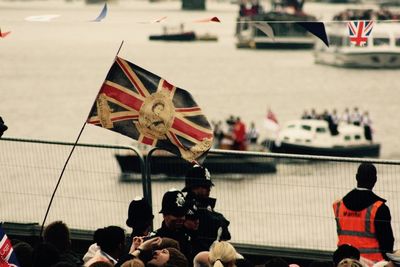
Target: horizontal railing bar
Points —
{"points": [[303, 157]]}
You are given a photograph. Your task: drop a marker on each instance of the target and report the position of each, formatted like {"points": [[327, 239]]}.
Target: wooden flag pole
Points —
{"points": [[66, 163]]}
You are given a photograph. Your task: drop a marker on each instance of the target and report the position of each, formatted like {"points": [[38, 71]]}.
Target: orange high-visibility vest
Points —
{"points": [[357, 228]]}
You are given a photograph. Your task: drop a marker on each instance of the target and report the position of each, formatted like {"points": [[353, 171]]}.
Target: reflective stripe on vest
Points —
{"points": [[357, 228]]}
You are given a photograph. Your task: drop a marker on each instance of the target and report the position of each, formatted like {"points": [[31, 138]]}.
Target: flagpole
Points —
{"points": [[69, 157]]}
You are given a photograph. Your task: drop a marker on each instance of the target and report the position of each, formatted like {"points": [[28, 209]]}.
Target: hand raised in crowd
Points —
{"points": [[140, 244]]}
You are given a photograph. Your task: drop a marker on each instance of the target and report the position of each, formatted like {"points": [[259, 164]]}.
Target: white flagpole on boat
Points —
{"points": [[69, 156]]}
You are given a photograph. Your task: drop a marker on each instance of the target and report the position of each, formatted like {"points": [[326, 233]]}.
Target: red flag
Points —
{"points": [[147, 108], [271, 116]]}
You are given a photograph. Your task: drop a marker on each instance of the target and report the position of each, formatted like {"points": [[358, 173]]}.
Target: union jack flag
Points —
{"points": [[7, 255], [139, 104], [359, 31]]}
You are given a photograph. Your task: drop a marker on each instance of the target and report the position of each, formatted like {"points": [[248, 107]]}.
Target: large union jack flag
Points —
{"points": [[359, 31], [145, 107], [7, 255]]}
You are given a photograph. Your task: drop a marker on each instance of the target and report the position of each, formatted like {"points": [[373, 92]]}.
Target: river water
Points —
{"points": [[50, 73]]}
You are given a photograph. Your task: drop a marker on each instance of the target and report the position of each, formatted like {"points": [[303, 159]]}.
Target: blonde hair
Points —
{"points": [[221, 252]]}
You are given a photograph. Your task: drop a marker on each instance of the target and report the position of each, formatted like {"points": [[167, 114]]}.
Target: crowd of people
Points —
{"points": [[190, 226], [355, 117], [233, 134], [192, 233]]}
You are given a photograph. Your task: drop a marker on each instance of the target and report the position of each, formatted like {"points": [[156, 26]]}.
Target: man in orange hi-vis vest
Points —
{"points": [[363, 219]]}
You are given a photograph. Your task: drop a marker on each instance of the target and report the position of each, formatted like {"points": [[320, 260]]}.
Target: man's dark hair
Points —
{"points": [[57, 234], [366, 175], [109, 238]]}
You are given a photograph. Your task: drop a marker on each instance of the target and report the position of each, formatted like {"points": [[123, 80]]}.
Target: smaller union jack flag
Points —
{"points": [[7, 255], [359, 31]]}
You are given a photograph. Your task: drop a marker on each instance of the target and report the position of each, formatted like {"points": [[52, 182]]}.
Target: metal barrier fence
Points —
{"points": [[278, 200], [89, 196]]}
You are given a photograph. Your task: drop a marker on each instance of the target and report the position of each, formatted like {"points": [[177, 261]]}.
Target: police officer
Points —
{"points": [[363, 219], [198, 187], [173, 209]]}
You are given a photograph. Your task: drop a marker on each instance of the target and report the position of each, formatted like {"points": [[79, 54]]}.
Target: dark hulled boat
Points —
{"points": [[173, 167]]}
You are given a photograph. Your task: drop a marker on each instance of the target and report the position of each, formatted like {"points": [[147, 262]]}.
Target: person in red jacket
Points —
{"points": [[239, 135], [362, 218]]}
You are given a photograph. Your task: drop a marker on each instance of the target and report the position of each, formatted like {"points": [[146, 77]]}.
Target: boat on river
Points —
{"points": [[165, 166], [180, 35], [314, 137], [286, 35], [382, 49]]}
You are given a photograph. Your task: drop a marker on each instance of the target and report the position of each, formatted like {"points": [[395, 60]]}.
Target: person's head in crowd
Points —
{"points": [[222, 254], [111, 240], [133, 263], [169, 257], [140, 217], [366, 175], [350, 263], [276, 262], [174, 209], [101, 264], [192, 220], [345, 251], [57, 234], [45, 255], [394, 259], [198, 181], [3, 127], [23, 251], [169, 243]]}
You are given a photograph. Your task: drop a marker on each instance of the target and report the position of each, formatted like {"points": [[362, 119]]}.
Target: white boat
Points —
{"points": [[314, 137], [381, 51]]}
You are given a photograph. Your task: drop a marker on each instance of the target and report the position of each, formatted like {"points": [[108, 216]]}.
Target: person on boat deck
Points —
{"points": [[346, 116], [198, 187], [239, 135], [335, 122], [362, 218], [366, 123], [306, 115], [173, 209], [355, 117], [314, 115], [3, 127], [252, 134], [218, 134]]}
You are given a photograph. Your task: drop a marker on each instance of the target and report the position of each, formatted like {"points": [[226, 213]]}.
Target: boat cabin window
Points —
{"points": [[347, 138], [357, 137], [381, 41], [291, 126], [397, 41], [321, 130], [306, 127]]}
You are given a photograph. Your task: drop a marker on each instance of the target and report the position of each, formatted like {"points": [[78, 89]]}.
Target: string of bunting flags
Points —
{"points": [[359, 30]]}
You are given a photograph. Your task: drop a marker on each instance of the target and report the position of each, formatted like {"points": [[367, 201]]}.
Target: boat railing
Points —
{"points": [[281, 212]]}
